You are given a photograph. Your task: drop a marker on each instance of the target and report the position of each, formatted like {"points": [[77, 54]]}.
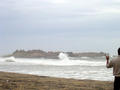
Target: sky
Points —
{"points": [[60, 25]]}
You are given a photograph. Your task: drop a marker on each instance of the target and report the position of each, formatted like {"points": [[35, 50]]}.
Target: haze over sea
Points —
{"points": [[64, 67]]}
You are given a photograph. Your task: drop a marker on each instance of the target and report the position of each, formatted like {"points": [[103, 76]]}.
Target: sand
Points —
{"points": [[14, 81]]}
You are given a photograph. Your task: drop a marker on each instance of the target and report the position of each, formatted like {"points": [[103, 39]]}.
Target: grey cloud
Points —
{"points": [[72, 22]]}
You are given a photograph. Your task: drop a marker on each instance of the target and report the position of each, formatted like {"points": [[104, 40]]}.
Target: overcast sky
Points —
{"points": [[60, 25]]}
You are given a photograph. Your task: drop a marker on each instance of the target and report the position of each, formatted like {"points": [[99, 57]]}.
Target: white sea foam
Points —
{"points": [[63, 67], [63, 56], [85, 57], [62, 61], [10, 59]]}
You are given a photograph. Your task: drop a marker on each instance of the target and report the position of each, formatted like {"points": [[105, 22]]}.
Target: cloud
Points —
{"points": [[110, 11], [64, 8], [34, 21]]}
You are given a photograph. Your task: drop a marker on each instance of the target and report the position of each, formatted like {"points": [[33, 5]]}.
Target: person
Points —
{"points": [[115, 64]]}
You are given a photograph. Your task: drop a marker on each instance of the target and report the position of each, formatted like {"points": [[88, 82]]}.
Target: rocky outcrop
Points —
{"points": [[35, 54], [90, 54], [52, 55]]}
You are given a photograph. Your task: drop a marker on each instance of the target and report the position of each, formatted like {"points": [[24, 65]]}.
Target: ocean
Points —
{"points": [[65, 67]]}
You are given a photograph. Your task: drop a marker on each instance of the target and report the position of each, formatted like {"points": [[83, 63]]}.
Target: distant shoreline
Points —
{"points": [[14, 81], [51, 54]]}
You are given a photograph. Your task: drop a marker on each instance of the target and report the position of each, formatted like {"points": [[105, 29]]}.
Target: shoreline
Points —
{"points": [[15, 81]]}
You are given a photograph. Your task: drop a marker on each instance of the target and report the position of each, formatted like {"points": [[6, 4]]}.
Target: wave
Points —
{"points": [[62, 61], [57, 62], [10, 59], [63, 56], [85, 57]]}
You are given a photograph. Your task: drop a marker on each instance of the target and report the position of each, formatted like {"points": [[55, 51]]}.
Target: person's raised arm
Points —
{"points": [[107, 59], [108, 64]]}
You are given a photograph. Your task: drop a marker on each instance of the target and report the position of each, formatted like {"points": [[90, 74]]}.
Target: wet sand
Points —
{"points": [[14, 81]]}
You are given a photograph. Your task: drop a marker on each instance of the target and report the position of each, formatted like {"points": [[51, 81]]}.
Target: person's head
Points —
{"points": [[118, 51]]}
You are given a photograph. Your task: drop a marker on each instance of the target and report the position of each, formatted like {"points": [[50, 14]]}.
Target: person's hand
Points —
{"points": [[107, 57]]}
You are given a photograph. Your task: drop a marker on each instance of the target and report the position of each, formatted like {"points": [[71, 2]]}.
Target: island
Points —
{"points": [[51, 54]]}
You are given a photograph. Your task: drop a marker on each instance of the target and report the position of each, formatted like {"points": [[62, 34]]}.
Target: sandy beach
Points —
{"points": [[14, 81]]}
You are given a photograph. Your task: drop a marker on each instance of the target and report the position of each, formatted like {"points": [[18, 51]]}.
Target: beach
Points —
{"points": [[14, 81], [76, 68]]}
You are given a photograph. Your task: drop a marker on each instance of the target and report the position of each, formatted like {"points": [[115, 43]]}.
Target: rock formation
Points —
{"points": [[52, 55]]}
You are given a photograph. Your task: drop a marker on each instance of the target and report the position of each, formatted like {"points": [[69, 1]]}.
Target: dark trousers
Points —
{"points": [[117, 83]]}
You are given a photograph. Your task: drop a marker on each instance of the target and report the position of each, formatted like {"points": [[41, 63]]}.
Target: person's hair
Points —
{"points": [[118, 51]]}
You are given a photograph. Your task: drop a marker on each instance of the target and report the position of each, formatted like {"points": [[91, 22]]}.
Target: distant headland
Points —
{"points": [[51, 54]]}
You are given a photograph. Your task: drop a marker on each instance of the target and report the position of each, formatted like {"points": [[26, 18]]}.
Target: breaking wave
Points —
{"points": [[62, 61]]}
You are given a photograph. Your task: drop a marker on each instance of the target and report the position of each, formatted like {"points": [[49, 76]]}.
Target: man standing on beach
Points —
{"points": [[115, 64]]}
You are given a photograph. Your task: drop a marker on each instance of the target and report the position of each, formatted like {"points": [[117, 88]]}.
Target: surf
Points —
{"points": [[63, 60]]}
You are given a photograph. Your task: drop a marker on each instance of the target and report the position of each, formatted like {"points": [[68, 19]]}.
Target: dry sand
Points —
{"points": [[13, 81]]}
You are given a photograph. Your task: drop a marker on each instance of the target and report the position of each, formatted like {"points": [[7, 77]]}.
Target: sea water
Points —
{"points": [[65, 67]]}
